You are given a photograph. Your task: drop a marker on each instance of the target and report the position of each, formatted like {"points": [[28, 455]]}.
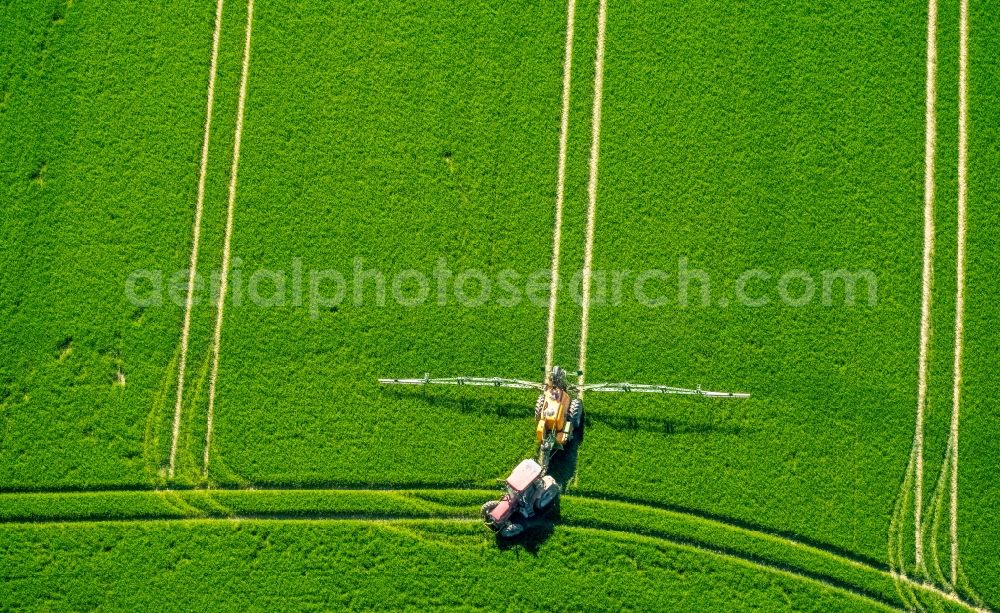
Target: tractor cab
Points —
{"points": [[523, 477], [518, 488]]}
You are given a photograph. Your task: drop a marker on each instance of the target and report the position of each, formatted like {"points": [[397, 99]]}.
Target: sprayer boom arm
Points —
{"points": [[480, 381], [655, 389]]}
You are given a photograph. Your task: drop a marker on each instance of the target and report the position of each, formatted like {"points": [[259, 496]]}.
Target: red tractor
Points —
{"points": [[529, 492]]}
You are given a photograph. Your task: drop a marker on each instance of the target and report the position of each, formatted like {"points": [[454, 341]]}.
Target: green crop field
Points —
{"points": [[222, 222]]}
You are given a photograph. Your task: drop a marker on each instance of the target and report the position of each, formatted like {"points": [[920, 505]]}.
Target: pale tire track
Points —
{"points": [[560, 184], [932, 524], [896, 557], [963, 114], [196, 236], [930, 137], [595, 149], [227, 239]]}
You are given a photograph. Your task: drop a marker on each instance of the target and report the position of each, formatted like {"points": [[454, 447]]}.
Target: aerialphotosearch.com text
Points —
{"points": [[362, 284]]}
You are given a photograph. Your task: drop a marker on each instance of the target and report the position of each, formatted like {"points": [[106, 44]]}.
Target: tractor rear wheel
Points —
{"points": [[550, 492], [576, 412], [539, 407], [576, 418]]}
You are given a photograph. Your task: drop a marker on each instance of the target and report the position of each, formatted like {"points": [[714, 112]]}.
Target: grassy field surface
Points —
{"points": [[979, 510], [385, 139], [768, 552], [99, 133], [433, 135], [775, 138], [391, 565]]}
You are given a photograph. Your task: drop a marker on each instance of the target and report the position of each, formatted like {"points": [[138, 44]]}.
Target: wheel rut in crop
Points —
{"points": [[926, 530], [228, 236], [196, 234], [715, 536], [560, 184], [595, 151]]}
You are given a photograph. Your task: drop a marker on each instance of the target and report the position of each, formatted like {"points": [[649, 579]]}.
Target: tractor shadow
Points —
{"points": [[537, 531]]}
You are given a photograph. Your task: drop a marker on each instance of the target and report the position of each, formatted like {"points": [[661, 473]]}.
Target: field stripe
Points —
{"points": [[389, 521], [407, 520], [196, 234], [560, 184], [930, 137], [746, 560], [227, 240], [963, 113], [595, 149], [680, 538]]}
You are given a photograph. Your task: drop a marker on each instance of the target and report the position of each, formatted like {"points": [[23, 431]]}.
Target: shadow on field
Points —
{"points": [[662, 425], [484, 406], [562, 466], [622, 423], [536, 533]]}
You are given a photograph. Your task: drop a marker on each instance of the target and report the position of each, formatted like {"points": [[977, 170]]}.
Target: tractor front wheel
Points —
{"points": [[512, 529]]}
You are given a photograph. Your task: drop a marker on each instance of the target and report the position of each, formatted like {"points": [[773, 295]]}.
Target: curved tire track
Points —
{"points": [[424, 509]]}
